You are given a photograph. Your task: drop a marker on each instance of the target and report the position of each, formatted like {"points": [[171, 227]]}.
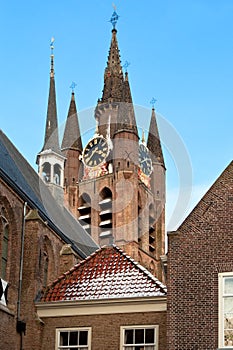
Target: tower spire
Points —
{"points": [[51, 141], [153, 142], [72, 150], [126, 120], [72, 137], [113, 76]]}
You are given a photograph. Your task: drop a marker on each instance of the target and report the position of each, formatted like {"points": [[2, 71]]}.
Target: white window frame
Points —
{"points": [[123, 328], [76, 329], [221, 297]]}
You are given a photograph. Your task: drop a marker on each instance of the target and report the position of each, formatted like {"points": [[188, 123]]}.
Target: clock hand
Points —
{"points": [[144, 160]]}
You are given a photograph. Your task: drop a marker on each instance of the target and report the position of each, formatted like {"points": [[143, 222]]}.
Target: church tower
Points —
{"points": [[122, 190], [114, 184], [50, 159]]}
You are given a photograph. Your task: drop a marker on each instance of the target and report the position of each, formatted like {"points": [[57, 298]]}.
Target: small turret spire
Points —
{"points": [[153, 142], [72, 137], [126, 120], [51, 141]]}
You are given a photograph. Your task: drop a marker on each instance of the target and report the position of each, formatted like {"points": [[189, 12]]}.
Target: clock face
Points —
{"points": [[95, 152], [145, 162]]}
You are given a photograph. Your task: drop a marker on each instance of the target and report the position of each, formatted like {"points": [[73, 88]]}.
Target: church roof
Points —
{"points": [[20, 176], [107, 273], [213, 205]]}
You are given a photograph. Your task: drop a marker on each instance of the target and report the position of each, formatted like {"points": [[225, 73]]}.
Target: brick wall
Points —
{"points": [[198, 251], [105, 328], [40, 243]]}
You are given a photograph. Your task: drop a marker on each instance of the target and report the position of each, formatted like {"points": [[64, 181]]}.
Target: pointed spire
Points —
{"points": [[126, 120], [113, 76], [51, 130], [71, 137], [153, 142]]}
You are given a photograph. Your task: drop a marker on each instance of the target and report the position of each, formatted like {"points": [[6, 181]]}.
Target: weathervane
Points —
{"points": [[126, 65], [52, 45], [153, 102], [114, 17], [72, 86]]}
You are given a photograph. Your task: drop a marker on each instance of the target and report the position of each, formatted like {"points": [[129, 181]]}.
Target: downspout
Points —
{"points": [[21, 325]]}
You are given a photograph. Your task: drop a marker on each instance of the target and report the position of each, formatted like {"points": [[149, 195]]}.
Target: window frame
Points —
{"points": [[4, 246], [221, 298], [72, 329], [122, 333]]}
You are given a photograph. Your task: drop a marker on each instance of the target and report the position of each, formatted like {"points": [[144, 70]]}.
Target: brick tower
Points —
{"points": [[115, 184], [122, 190]]}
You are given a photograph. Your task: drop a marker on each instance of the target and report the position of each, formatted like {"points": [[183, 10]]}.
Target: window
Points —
{"points": [[74, 338], [46, 172], [139, 338], [226, 310], [5, 240], [57, 174]]}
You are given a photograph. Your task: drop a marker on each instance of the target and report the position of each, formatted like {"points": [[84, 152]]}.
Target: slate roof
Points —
{"points": [[107, 273], [19, 175]]}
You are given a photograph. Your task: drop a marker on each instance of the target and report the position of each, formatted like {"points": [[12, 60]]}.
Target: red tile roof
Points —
{"points": [[107, 273]]}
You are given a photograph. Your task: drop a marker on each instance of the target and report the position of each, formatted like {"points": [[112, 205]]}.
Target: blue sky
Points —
{"points": [[180, 52]]}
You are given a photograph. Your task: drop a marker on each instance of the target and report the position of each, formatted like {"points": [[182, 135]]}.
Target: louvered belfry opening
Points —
{"points": [[84, 211], [151, 229], [105, 216]]}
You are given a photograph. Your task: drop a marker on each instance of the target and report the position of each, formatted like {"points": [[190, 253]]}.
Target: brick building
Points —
{"points": [[115, 184], [200, 273], [111, 190], [107, 301], [39, 240]]}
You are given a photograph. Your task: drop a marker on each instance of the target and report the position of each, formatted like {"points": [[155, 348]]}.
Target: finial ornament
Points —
{"points": [[52, 56], [126, 65], [73, 86], [52, 45], [114, 17], [143, 136], [152, 102]]}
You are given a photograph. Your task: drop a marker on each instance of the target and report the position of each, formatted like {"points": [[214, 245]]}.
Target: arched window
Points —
{"points": [[140, 228], [57, 174], [4, 244], [152, 226], [46, 266], [84, 211], [46, 172], [105, 220]]}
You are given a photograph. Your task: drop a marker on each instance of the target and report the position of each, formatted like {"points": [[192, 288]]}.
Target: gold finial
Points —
{"points": [[97, 127], [143, 136]]}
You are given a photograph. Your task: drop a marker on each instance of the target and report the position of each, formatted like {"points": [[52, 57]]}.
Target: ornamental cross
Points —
{"points": [[72, 86], [152, 102], [126, 65]]}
